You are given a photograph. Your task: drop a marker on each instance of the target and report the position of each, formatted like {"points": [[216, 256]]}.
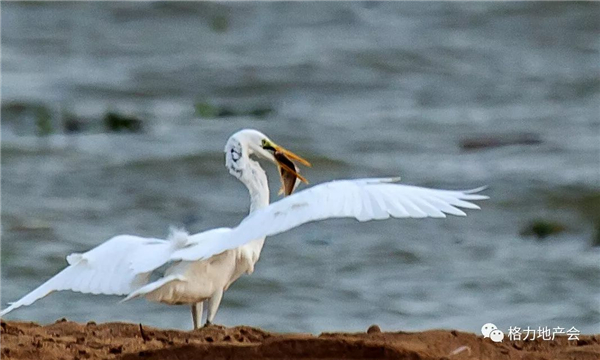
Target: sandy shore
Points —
{"points": [[69, 340]]}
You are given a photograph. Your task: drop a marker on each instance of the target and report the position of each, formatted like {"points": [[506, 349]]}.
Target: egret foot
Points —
{"points": [[210, 325]]}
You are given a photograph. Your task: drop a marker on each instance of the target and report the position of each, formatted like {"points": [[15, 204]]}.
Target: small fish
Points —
{"points": [[288, 172]]}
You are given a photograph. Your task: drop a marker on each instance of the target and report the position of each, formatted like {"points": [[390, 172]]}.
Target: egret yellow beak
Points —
{"points": [[269, 145], [287, 169]]}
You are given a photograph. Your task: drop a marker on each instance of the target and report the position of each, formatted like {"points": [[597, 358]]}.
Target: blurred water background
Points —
{"points": [[114, 117]]}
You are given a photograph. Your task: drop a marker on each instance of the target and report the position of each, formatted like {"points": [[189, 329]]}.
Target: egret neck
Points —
{"points": [[255, 180]]}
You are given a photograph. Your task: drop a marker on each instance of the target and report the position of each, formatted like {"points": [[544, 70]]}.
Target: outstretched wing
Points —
{"points": [[364, 200], [106, 269]]}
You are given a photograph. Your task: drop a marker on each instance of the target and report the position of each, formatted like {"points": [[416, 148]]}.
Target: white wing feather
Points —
{"points": [[106, 269], [364, 200], [124, 263]]}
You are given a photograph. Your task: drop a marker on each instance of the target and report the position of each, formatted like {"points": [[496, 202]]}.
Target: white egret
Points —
{"points": [[201, 267]]}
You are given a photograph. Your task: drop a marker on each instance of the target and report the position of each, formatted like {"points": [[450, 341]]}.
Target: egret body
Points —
{"points": [[201, 267]]}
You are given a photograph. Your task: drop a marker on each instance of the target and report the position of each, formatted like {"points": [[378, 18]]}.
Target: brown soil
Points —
{"points": [[68, 340]]}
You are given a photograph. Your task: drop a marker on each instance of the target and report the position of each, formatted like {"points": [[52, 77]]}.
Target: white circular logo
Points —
{"points": [[497, 335], [487, 329]]}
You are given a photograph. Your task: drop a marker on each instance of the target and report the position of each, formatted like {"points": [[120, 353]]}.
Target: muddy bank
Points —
{"points": [[69, 340]]}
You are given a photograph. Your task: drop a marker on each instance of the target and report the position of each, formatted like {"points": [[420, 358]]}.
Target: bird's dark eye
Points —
{"points": [[265, 144]]}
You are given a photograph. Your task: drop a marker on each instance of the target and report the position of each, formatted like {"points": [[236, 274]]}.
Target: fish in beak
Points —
{"points": [[288, 171]]}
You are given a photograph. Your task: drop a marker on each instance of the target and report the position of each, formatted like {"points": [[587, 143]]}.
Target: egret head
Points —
{"points": [[249, 142]]}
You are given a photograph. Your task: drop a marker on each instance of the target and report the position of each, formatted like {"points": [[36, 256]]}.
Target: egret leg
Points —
{"points": [[197, 314], [213, 306]]}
